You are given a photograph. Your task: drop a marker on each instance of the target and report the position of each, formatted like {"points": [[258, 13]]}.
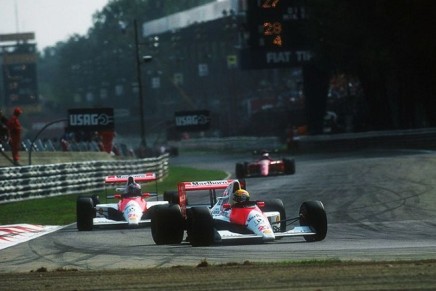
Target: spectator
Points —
{"points": [[15, 128], [65, 143], [107, 137]]}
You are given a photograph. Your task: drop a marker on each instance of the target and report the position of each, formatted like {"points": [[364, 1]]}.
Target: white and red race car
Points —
{"points": [[129, 210], [221, 220]]}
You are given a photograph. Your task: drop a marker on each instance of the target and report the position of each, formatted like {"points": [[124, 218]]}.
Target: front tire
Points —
{"points": [[200, 226], [85, 213], [167, 224], [312, 214], [240, 171]]}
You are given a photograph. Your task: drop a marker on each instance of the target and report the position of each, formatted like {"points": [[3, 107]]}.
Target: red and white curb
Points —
{"points": [[18, 233]]}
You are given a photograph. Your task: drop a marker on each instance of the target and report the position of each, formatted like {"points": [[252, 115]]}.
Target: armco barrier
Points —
{"points": [[236, 143], [28, 182], [424, 138]]}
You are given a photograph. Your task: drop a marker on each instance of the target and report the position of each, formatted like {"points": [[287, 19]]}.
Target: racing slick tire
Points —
{"points": [[95, 199], [276, 205], [240, 171], [171, 196], [289, 166], [167, 224], [312, 214], [200, 227], [85, 213]]}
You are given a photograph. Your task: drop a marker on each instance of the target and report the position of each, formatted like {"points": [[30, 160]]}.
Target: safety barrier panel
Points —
{"points": [[29, 182]]}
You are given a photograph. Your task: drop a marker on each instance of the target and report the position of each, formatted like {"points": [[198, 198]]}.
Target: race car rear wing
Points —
{"points": [[139, 178], [205, 185], [183, 187]]}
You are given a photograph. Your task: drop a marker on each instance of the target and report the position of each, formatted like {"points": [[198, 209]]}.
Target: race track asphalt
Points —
{"points": [[380, 206]]}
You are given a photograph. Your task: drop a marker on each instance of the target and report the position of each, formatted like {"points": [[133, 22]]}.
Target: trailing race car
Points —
{"points": [[230, 218], [265, 166], [132, 208]]}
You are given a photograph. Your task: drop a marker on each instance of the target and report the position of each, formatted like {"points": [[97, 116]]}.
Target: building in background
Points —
{"points": [[204, 59]]}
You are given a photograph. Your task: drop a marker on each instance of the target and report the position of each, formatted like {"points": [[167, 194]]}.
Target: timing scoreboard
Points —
{"points": [[276, 34], [276, 23], [18, 59]]}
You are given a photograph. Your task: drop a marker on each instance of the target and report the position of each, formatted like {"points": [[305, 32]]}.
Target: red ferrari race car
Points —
{"points": [[265, 166], [232, 217], [132, 208]]}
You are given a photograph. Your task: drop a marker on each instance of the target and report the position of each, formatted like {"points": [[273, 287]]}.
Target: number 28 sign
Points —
{"points": [[274, 19]]}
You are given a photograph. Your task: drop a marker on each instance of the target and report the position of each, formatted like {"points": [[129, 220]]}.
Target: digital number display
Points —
{"points": [[272, 22], [274, 31], [272, 26]]}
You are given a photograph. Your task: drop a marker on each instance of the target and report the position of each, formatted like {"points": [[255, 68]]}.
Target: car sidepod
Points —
{"points": [[259, 224], [276, 205], [312, 214]]}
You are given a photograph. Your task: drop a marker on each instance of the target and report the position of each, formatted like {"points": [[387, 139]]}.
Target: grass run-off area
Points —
{"points": [[61, 210]]}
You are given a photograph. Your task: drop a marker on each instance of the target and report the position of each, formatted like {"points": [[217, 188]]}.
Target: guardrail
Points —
{"points": [[413, 139], [235, 143], [30, 182], [406, 139]]}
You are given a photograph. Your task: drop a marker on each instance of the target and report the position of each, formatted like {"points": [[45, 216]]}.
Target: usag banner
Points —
{"points": [[91, 119]]}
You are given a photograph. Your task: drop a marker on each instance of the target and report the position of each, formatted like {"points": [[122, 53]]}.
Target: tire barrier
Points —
{"points": [[30, 182]]}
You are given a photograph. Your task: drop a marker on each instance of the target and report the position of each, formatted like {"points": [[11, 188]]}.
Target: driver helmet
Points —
{"points": [[134, 189], [265, 154], [241, 195], [130, 180]]}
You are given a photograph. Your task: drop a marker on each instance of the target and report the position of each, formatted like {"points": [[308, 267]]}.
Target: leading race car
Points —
{"points": [[227, 218], [132, 208], [265, 166]]}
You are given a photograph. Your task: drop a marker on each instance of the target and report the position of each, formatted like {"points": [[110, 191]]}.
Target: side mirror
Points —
{"points": [[260, 204], [227, 206], [117, 196]]}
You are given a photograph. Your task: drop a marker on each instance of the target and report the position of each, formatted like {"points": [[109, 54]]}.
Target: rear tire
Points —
{"points": [[200, 226], [171, 196], [167, 224], [276, 205], [289, 166], [85, 213], [240, 171], [312, 214]]}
